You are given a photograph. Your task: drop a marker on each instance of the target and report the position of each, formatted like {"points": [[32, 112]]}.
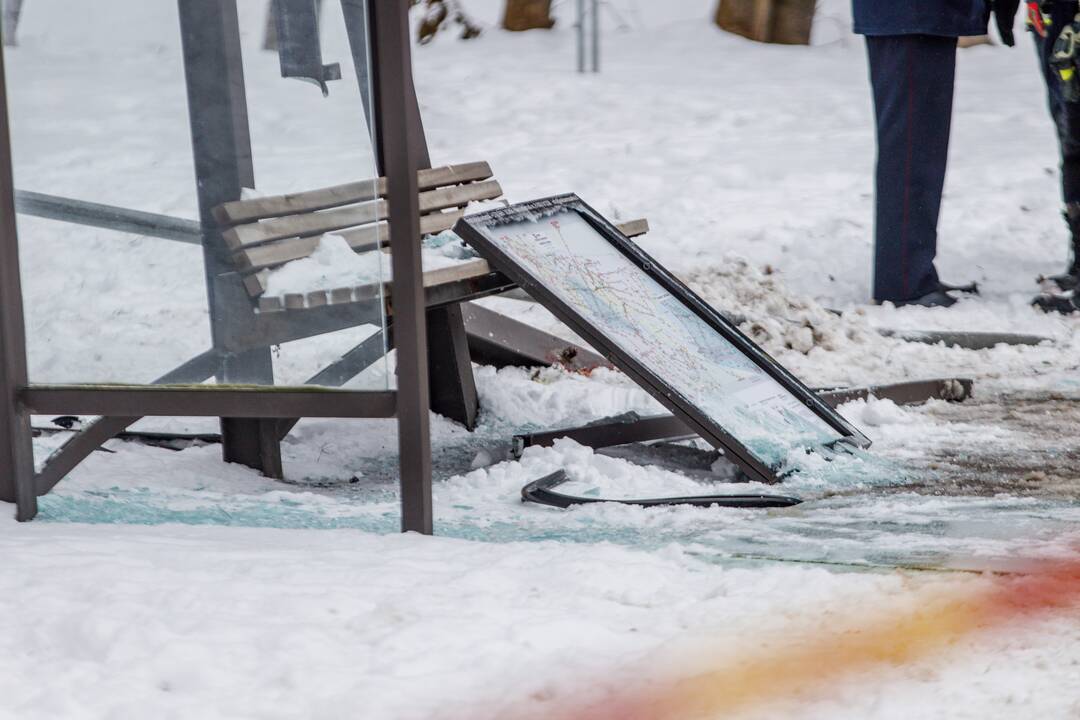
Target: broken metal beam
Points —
{"points": [[631, 427], [966, 340], [905, 393], [501, 341]]}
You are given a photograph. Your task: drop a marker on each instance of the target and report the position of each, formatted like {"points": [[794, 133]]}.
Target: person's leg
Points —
{"points": [[1066, 116], [912, 78]]}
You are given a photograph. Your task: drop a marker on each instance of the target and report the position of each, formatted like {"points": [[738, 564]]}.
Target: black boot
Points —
{"points": [[1064, 303], [1070, 279], [937, 298]]}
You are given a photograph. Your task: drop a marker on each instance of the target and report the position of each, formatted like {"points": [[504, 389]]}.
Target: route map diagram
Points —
{"points": [[565, 253]]}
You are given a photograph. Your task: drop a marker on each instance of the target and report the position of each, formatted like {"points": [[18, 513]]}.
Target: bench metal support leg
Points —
{"points": [[221, 143], [254, 442], [453, 387]]}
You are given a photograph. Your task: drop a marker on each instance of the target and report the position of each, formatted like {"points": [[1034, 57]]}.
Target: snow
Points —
{"points": [[333, 264], [167, 584]]}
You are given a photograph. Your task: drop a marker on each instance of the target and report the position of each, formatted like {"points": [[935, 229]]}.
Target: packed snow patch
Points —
{"points": [[555, 397], [876, 412], [334, 264], [776, 318]]}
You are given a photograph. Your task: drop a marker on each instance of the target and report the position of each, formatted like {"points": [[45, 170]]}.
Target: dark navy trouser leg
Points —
{"points": [[912, 78]]}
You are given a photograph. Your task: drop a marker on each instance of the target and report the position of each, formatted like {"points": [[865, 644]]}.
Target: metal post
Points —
{"points": [[396, 115], [595, 35], [16, 450], [10, 22], [356, 27], [217, 106], [450, 377], [581, 36]]}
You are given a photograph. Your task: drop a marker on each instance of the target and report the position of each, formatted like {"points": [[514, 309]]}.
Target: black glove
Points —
{"points": [[1004, 17]]}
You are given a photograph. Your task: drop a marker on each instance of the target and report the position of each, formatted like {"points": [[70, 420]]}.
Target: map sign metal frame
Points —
{"points": [[471, 228]]}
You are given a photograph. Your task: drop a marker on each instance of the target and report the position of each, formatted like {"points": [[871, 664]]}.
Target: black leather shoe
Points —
{"points": [[937, 298], [972, 288], [1064, 303]]}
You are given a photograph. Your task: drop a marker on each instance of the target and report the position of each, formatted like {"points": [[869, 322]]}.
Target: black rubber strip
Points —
{"points": [[166, 440], [541, 491]]}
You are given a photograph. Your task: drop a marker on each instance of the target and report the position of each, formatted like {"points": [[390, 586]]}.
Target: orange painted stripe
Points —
{"points": [[935, 622]]}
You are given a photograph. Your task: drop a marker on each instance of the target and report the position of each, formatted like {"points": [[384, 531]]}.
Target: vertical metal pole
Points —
{"points": [[16, 450], [581, 36], [356, 27], [595, 35], [396, 116], [10, 22], [221, 149], [217, 107]]}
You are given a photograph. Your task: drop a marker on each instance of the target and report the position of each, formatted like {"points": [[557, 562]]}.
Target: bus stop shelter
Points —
{"points": [[172, 277]]}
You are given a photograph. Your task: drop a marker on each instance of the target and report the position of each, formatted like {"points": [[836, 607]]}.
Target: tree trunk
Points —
{"points": [[528, 15], [440, 13], [786, 22], [12, 10]]}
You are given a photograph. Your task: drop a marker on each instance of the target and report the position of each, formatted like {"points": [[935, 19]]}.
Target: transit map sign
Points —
{"points": [[655, 329]]}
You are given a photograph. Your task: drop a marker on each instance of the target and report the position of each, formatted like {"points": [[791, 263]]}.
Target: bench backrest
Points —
{"points": [[267, 232]]}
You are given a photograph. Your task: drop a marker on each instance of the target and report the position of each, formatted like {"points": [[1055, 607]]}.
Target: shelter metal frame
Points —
{"points": [[251, 416]]}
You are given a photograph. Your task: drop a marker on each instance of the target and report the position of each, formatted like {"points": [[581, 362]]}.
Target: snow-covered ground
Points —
{"points": [[166, 584]]}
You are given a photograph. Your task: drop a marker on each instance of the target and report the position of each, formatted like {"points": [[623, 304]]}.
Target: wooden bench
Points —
{"points": [[263, 234], [268, 232]]}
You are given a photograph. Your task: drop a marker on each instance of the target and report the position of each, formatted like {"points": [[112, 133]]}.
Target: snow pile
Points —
{"points": [[772, 315], [334, 264], [554, 397], [876, 412], [824, 347]]}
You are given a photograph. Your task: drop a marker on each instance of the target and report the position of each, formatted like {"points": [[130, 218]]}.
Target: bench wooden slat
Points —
{"points": [[372, 237], [364, 239], [462, 271], [245, 211], [276, 254], [372, 291], [256, 283], [361, 239], [242, 237]]}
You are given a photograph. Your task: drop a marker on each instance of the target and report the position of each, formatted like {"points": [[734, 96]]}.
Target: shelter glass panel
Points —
{"points": [[198, 179]]}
